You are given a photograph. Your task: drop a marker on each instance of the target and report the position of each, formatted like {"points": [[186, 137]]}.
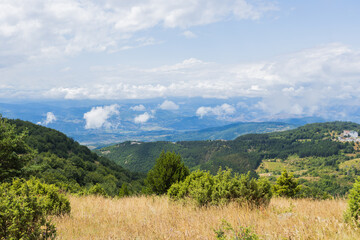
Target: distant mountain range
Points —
{"points": [[99, 123], [229, 132]]}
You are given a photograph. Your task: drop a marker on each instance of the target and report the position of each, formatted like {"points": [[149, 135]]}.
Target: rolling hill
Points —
{"points": [[310, 150], [60, 160]]}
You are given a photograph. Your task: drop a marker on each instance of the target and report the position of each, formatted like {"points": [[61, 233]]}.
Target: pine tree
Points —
{"points": [[286, 185], [167, 170]]}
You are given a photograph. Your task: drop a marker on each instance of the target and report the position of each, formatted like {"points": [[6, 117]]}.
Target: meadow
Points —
{"points": [[146, 217]]}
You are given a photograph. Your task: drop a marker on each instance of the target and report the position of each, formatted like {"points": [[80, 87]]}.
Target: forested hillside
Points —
{"points": [[313, 147], [57, 159]]}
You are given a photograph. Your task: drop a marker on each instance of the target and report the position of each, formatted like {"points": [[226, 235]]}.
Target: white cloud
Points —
{"points": [[220, 111], [301, 83], [325, 72], [142, 118], [138, 108], [169, 105], [98, 117], [189, 34], [50, 118], [36, 28]]}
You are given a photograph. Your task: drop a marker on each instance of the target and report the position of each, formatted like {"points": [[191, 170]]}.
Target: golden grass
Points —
{"points": [[158, 218]]}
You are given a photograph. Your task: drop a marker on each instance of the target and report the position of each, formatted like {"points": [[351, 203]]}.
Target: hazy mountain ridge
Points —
{"points": [[103, 122]]}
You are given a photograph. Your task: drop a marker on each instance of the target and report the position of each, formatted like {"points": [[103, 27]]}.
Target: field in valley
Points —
{"points": [[143, 217]]}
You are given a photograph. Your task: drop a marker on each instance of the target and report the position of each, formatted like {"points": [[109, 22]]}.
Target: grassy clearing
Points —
{"points": [[158, 218], [277, 166], [351, 163]]}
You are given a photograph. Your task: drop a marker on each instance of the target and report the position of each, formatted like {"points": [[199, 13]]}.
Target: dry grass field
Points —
{"points": [[158, 218]]}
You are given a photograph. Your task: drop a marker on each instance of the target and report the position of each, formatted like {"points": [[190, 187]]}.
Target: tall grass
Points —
{"points": [[158, 218]]}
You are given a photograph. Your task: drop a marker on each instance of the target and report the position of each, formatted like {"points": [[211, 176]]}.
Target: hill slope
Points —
{"points": [[230, 132], [312, 145], [63, 161]]}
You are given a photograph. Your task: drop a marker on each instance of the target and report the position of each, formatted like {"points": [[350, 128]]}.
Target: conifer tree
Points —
{"points": [[167, 170], [286, 185]]}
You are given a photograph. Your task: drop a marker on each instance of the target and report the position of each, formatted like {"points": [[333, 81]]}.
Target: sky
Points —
{"points": [[299, 57]]}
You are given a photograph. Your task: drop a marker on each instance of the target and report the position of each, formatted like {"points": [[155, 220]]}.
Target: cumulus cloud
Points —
{"points": [[50, 118], [189, 34], [169, 105], [142, 118], [220, 110], [98, 117], [138, 108], [70, 26]]}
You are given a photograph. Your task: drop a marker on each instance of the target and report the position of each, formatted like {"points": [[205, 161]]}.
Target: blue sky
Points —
{"points": [[297, 56]]}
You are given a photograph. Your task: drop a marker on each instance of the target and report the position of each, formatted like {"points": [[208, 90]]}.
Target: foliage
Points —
{"points": [[97, 189], [167, 170], [244, 233], [64, 162], [222, 188], [286, 185], [14, 152], [124, 191], [24, 207], [352, 214], [313, 192], [242, 154]]}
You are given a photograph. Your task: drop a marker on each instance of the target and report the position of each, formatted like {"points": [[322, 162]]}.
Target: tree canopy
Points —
{"points": [[15, 153], [167, 170]]}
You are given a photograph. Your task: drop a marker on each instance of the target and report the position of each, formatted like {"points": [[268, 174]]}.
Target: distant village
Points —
{"points": [[349, 136]]}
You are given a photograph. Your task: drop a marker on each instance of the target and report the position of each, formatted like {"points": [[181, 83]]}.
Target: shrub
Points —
{"points": [[124, 191], [24, 207], [222, 188], [52, 201], [167, 170], [97, 189], [244, 233], [352, 213], [286, 185]]}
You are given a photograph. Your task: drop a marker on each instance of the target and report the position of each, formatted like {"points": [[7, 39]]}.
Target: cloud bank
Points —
{"points": [[306, 82], [35, 28], [302, 83], [98, 117]]}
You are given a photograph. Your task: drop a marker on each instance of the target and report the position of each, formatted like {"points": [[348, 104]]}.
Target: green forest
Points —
{"points": [[54, 158], [311, 151]]}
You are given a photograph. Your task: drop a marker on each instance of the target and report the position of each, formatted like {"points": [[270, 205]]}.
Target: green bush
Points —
{"points": [[97, 189], [286, 185], [124, 191], [352, 213], [226, 230], [222, 188], [52, 201], [167, 170], [24, 209], [200, 188]]}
